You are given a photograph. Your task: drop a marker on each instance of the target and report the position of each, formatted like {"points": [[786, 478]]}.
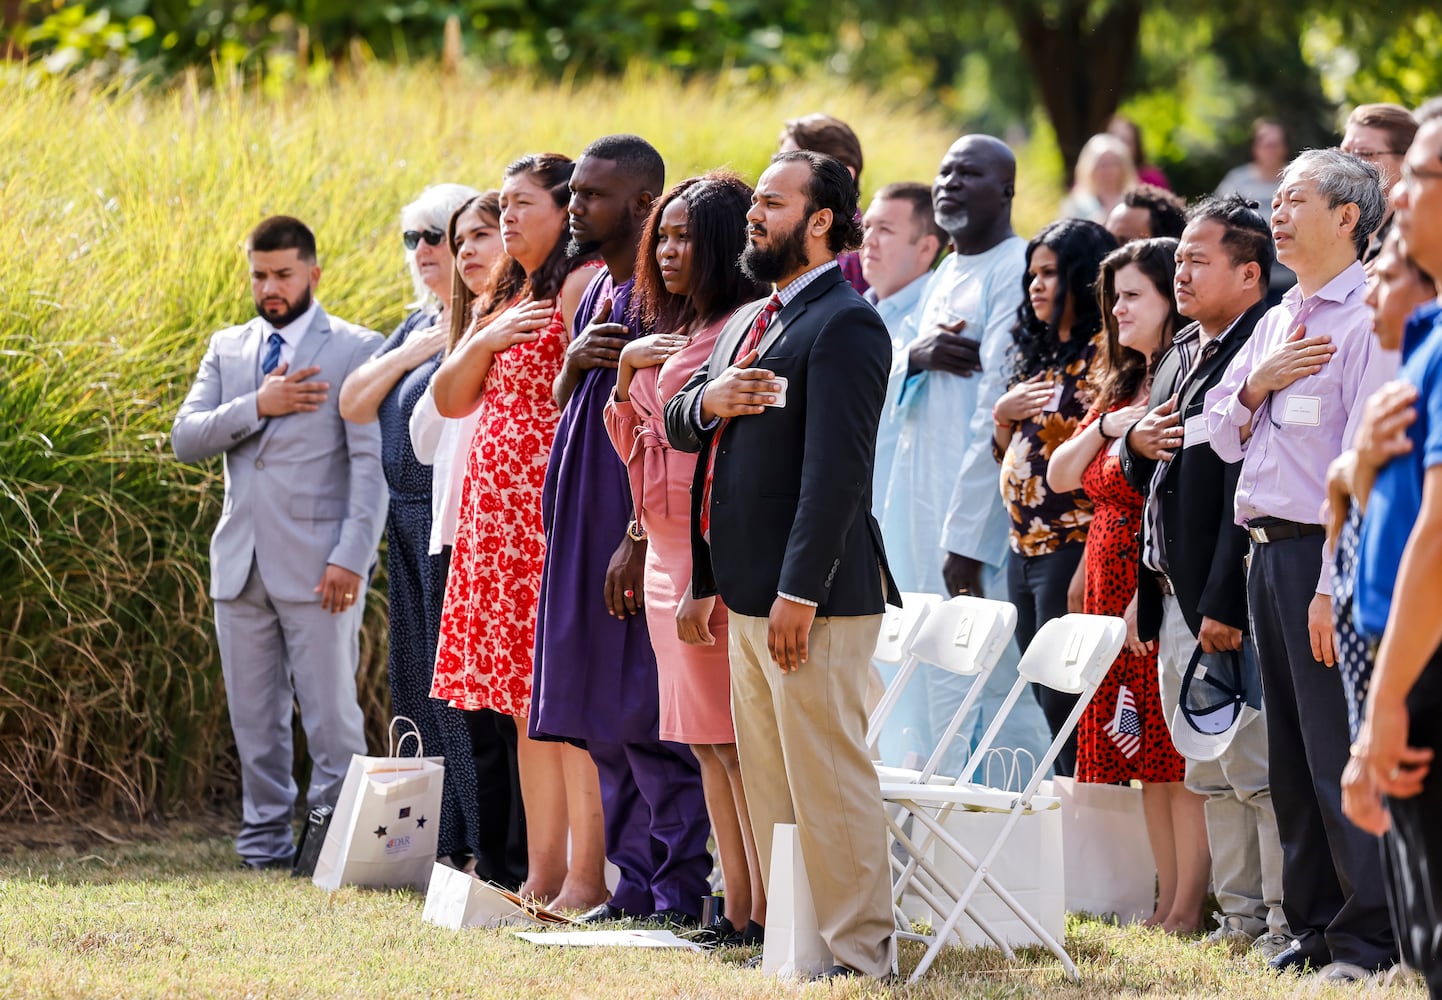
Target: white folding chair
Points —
{"points": [[965, 636], [893, 645], [1070, 654]]}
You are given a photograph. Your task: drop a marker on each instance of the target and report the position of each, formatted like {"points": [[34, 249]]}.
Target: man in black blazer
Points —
{"points": [[782, 530], [1192, 583]]}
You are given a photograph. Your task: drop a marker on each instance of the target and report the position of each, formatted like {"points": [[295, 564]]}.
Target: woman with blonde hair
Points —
{"points": [[1104, 172]]}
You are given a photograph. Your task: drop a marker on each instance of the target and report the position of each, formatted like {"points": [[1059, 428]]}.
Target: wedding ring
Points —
{"points": [[629, 593], [350, 597]]}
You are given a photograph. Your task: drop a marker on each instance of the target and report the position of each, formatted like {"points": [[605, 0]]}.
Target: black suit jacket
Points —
{"points": [[791, 497], [1205, 546]]}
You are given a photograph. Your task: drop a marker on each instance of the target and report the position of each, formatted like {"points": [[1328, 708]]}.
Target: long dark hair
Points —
{"points": [[509, 280], [488, 206], [1118, 373], [716, 206], [1079, 246]]}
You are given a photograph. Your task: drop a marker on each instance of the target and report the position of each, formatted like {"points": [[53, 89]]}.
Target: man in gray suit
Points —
{"points": [[305, 503]]}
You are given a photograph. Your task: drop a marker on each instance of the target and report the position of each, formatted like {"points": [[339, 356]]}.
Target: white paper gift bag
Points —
{"points": [[1029, 866], [456, 899], [1109, 864], [383, 833], [794, 946]]}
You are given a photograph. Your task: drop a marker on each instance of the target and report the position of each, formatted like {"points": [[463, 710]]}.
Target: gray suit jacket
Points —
{"points": [[301, 490]]}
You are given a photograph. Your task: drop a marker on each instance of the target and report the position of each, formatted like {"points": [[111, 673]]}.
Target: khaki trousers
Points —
{"points": [[1241, 821], [802, 741]]}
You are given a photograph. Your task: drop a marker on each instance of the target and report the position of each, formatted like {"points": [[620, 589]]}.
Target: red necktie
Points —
{"points": [[758, 330]]}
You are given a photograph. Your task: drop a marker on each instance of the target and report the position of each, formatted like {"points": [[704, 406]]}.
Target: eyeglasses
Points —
{"points": [[412, 239], [1372, 154], [1411, 175]]}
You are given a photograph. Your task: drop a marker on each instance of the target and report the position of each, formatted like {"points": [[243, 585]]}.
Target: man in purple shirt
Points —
{"points": [[1285, 408]]}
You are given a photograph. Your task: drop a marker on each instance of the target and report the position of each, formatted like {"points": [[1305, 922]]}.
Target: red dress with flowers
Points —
{"points": [[488, 620]]}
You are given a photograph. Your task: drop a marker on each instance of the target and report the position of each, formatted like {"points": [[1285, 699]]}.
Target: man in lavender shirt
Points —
{"points": [[1285, 408]]}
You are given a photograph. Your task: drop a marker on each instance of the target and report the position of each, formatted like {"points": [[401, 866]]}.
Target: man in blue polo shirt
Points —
{"points": [[1398, 593]]}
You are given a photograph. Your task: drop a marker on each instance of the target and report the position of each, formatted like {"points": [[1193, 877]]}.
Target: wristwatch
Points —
{"points": [[634, 531]]}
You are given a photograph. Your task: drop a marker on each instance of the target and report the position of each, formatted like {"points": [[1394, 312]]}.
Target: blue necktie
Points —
{"points": [[272, 354]]}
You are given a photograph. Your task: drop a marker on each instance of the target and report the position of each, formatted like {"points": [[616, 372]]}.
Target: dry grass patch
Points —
{"points": [[177, 919]]}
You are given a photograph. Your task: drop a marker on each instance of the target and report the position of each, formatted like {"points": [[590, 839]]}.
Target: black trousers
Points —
{"points": [[1332, 884], [1037, 585], [501, 837], [1412, 849]]}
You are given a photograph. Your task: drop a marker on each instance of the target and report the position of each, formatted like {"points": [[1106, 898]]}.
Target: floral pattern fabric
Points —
{"points": [[1042, 521], [488, 621]]}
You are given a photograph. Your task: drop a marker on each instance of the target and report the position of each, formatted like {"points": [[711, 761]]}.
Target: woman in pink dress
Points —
{"points": [[687, 285], [504, 364]]}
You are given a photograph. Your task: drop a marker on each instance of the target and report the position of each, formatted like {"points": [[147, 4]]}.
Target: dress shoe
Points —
{"points": [[1296, 958], [603, 914], [266, 864], [753, 936], [1343, 972], [672, 919], [839, 972], [1269, 944]]}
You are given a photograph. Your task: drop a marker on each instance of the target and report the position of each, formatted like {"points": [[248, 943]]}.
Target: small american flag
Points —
{"points": [[1125, 728]]}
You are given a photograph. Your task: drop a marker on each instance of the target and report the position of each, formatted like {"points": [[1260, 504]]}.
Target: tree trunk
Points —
{"points": [[10, 11], [1081, 60]]}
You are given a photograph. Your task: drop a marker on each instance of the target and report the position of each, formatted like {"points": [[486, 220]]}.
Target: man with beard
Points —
{"points": [[944, 524], [595, 673], [305, 502], [784, 417]]}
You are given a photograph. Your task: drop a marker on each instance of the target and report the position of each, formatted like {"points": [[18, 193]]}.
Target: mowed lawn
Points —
{"points": [[175, 918]]}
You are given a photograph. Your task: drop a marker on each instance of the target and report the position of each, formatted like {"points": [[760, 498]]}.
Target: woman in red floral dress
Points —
{"points": [[505, 363], [1123, 735]]}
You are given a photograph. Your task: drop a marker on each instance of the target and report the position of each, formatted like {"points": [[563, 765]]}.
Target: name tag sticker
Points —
{"points": [[1054, 402], [1304, 410], [780, 396], [1194, 431]]}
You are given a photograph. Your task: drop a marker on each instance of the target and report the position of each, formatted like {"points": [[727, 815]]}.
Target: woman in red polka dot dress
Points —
{"points": [[1123, 735]]}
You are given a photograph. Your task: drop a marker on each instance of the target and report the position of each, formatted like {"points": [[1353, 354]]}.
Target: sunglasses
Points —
{"points": [[412, 239]]}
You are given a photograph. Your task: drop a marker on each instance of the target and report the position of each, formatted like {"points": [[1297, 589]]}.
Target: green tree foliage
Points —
{"points": [[989, 65]]}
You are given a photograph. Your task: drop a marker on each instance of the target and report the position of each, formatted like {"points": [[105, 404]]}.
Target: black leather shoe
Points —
{"points": [[1298, 958], [839, 972], [672, 918], [603, 914], [754, 936]]}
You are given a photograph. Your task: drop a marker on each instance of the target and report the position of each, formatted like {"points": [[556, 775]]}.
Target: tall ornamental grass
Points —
{"points": [[121, 217]]}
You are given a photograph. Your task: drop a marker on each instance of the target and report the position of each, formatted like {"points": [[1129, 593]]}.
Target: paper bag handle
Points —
{"points": [[394, 745]]}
